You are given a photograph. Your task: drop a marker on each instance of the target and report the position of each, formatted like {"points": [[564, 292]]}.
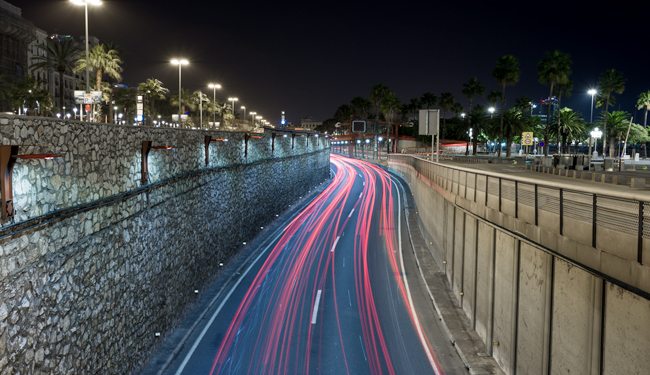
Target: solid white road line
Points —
{"points": [[335, 242], [223, 303], [314, 313]]}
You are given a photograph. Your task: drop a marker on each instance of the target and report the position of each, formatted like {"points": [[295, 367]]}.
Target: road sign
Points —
{"points": [[541, 144], [429, 121], [358, 126], [527, 138]]}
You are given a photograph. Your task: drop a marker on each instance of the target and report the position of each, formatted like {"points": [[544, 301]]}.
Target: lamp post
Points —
{"points": [[180, 62], [595, 134], [214, 87], [85, 4], [243, 108], [233, 100], [491, 111], [592, 92], [252, 114]]}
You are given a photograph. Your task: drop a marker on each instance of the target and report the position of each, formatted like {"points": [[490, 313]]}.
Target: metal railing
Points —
{"points": [[548, 204]]}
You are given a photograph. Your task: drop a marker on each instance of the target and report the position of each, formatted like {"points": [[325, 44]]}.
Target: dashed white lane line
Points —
{"points": [[351, 212], [314, 313], [335, 242]]}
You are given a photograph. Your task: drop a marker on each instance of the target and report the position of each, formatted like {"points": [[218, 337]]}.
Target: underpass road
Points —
{"points": [[333, 291]]}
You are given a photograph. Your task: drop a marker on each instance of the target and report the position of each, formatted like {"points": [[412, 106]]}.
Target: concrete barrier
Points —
{"points": [[542, 302]]}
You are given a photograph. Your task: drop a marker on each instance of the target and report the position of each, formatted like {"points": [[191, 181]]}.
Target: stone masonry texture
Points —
{"points": [[84, 292]]}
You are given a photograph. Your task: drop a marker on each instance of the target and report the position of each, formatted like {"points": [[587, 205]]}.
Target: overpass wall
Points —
{"points": [[542, 302], [96, 262]]}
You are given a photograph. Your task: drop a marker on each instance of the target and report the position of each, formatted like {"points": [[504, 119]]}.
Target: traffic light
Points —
{"points": [[358, 126]]}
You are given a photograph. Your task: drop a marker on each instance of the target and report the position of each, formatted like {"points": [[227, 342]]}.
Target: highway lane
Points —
{"points": [[326, 294]]}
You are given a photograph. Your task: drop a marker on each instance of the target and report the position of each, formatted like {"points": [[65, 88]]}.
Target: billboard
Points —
{"points": [[82, 97]]}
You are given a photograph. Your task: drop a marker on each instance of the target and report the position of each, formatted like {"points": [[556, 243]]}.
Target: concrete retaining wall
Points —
{"points": [[85, 286], [536, 311]]}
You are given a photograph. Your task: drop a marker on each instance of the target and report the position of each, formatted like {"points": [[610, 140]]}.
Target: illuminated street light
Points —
{"points": [[233, 100], [85, 4], [596, 134], [252, 114], [491, 110], [214, 87], [180, 62], [463, 115], [243, 108], [592, 92]]}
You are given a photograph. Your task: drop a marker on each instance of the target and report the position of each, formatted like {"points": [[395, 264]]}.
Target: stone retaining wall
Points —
{"points": [[96, 262]]}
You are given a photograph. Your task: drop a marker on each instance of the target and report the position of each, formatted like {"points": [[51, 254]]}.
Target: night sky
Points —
{"points": [[311, 57]]}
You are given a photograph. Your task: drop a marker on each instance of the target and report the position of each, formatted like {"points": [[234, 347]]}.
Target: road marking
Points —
{"points": [[314, 314], [335, 242], [343, 262], [363, 349], [364, 183], [223, 303], [349, 298], [360, 195], [351, 212]]}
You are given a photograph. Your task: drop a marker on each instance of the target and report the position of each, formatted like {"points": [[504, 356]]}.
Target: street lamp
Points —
{"points": [[180, 62], [491, 110], [252, 114], [596, 134], [592, 92], [243, 108], [233, 100], [85, 4], [214, 87]]}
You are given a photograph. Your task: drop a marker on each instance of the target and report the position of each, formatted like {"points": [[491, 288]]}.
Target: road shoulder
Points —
{"points": [[453, 321]]}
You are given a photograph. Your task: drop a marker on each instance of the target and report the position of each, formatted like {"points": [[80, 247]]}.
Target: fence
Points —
{"points": [[596, 216]]}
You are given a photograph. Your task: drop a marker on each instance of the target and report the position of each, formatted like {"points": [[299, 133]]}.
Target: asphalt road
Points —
{"points": [[334, 290]]}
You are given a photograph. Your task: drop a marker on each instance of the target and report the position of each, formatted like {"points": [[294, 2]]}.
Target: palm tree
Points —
{"points": [[378, 94], [360, 107], [390, 107], [611, 82], [152, 89], [102, 61], [494, 98], [515, 122], [553, 70], [60, 56], [571, 126], [428, 100], [506, 72], [445, 102], [472, 89], [644, 103]]}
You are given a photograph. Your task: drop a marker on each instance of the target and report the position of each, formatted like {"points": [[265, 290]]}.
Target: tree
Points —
{"points": [[445, 102], [494, 98], [428, 100], [472, 89], [152, 89], [506, 72], [571, 126], [60, 56], [360, 107], [30, 97], [515, 121], [644, 103], [378, 94], [611, 82], [390, 107], [554, 69], [102, 61]]}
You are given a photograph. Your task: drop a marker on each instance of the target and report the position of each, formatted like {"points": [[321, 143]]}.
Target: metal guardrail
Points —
{"points": [[622, 212]]}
